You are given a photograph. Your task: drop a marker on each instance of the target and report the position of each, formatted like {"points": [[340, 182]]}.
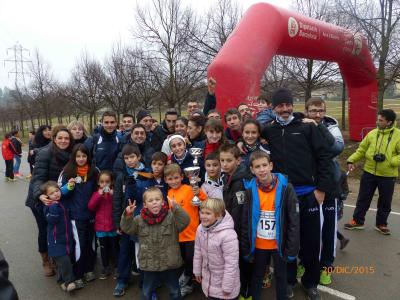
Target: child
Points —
{"points": [[183, 195], [233, 119], [101, 204], [158, 162], [265, 115], [157, 229], [79, 182], [131, 182], [59, 235], [213, 185], [219, 277], [182, 157], [181, 127], [214, 131], [8, 156], [251, 131], [234, 197], [270, 224]]}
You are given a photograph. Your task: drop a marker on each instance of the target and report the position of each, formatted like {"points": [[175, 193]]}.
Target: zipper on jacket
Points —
{"points": [[55, 234], [208, 267]]}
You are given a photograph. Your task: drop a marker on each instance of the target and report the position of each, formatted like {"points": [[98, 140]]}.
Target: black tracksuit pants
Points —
{"points": [[310, 241], [368, 185], [329, 229]]}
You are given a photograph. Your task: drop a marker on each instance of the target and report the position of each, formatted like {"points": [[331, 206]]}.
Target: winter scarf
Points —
{"points": [[266, 188], [151, 218]]}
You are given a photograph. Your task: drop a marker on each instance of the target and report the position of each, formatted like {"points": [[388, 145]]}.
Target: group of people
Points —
{"points": [[269, 185], [12, 152]]}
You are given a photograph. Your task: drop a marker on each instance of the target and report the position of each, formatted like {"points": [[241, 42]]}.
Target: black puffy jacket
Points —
{"points": [[300, 151], [48, 166], [7, 290]]}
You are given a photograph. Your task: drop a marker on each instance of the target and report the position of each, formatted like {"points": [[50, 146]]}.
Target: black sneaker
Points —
{"points": [[353, 225], [343, 243], [312, 294]]}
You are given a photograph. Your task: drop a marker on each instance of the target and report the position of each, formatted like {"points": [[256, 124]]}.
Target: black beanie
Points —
{"points": [[142, 114], [280, 96]]}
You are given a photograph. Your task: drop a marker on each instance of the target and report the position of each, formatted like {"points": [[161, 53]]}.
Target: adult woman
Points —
{"points": [[42, 138], [49, 163], [196, 132], [80, 135]]}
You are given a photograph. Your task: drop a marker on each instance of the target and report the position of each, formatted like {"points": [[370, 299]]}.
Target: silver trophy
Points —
{"points": [[193, 173], [196, 153]]}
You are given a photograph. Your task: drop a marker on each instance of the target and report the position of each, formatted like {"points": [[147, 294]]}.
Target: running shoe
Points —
{"points": [[383, 229], [186, 290], [325, 278], [343, 243], [300, 271], [184, 280], [89, 276], [312, 294], [289, 291], [353, 225], [79, 284], [119, 290]]}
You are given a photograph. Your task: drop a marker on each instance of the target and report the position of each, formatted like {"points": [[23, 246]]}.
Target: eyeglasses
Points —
{"points": [[316, 111]]}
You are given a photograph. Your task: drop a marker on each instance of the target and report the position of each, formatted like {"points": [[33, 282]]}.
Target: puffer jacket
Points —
{"points": [[48, 166], [377, 141], [59, 232], [216, 259], [6, 151], [102, 205], [286, 217], [158, 244]]}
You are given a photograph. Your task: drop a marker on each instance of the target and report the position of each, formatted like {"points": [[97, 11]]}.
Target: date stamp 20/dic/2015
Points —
{"points": [[350, 270]]}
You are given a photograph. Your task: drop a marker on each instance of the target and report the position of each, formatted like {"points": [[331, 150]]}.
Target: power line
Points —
{"points": [[18, 59]]}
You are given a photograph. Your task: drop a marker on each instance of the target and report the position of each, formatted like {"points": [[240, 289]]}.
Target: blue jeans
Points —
{"points": [[168, 277], [125, 258], [17, 163]]}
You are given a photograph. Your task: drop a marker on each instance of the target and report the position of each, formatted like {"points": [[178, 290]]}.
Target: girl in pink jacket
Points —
{"points": [[216, 252]]}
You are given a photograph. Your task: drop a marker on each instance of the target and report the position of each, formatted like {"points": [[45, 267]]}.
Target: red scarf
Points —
{"points": [[151, 218], [210, 148]]}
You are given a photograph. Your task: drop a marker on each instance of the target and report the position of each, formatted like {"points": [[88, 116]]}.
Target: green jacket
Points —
{"points": [[375, 142], [158, 244]]}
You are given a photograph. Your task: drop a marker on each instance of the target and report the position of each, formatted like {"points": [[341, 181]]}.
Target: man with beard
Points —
{"points": [[244, 111], [164, 130], [299, 151]]}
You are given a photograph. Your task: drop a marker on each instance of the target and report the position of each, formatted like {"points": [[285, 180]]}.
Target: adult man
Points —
{"points": [[381, 150], [106, 144], [127, 122], [192, 106], [298, 150], [315, 109], [138, 138], [144, 117], [244, 111], [165, 129]]}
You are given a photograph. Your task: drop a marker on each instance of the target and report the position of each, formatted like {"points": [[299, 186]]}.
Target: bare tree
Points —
{"points": [[41, 85], [164, 29], [379, 22], [85, 88]]}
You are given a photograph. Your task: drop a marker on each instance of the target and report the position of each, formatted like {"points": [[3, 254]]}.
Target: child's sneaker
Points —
{"points": [[325, 278], [79, 284], [300, 271], [63, 286], [71, 287], [105, 272], [343, 243], [267, 281], [186, 290], [89, 276], [119, 290], [383, 229], [353, 225], [312, 294], [184, 280]]}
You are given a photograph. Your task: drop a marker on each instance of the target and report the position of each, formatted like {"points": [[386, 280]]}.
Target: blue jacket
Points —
{"points": [[105, 150], [286, 219], [126, 188], [163, 186], [59, 233], [265, 116], [77, 199]]}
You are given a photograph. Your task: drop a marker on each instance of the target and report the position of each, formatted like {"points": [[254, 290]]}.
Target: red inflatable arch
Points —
{"points": [[265, 31]]}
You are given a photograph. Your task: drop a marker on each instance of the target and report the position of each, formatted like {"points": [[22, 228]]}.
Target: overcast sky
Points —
{"points": [[61, 29]]}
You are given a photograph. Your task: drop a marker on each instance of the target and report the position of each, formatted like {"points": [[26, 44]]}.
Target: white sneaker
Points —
{"points": [[72, 286], [184, 280], [186, 290]]}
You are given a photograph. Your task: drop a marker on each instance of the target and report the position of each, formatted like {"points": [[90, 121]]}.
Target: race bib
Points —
{"points": [[266, 226]]}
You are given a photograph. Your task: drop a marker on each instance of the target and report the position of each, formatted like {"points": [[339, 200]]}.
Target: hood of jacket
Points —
{"points": [[226, 223]]}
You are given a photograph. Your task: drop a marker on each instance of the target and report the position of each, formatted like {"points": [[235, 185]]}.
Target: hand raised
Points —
{"points": [[211, 85], [130, 208]]}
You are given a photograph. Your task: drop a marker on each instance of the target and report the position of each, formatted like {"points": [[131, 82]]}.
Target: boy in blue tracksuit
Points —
{"points": [[131, 182], [158, 161], [59, 235], [270, 224]]}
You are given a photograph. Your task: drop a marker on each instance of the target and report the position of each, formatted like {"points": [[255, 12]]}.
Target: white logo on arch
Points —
{"points": [[293, 27]]}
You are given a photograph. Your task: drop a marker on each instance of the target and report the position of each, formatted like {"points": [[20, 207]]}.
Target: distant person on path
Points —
{"points": [[16, 146], [8, 156], [381, 150]]}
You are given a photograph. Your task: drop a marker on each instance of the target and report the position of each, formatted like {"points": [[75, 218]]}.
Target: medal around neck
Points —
{"points": [[78, 179]]}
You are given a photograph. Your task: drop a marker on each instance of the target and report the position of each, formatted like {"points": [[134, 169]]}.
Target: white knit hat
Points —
{"points": [[176, 136]]}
